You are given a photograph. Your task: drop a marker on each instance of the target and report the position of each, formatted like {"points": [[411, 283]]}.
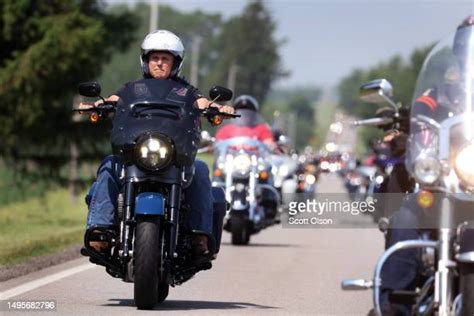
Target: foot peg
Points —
{"points": [[356, 285]]}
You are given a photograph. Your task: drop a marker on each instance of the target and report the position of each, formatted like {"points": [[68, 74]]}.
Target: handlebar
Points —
{"points": [[212, 110], [376, 121], [108, 106], [99, 112], [214, 116]]}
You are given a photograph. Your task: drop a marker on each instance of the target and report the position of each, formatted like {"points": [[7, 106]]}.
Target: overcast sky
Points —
{"points": [[326, 39]]}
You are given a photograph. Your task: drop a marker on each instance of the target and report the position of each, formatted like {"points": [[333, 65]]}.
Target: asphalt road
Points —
{"points": [[283, 271]]}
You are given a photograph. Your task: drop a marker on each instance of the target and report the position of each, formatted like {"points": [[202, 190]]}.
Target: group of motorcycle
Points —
{"points": [[257, 182], [437, 160], [368, 180], [157, 139]]}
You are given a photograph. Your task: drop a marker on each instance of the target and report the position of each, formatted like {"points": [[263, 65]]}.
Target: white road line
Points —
{"points": [[43, 281]]}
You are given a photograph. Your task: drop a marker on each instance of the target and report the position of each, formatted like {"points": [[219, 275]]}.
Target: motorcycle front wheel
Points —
{"points": [[239, 230], [147, 261]]}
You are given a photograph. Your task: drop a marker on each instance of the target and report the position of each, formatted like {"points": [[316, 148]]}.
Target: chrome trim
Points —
{"points": [[252, 198], [466, 257], [356, 285], [218, 184], [443, 275], [457, 305], [377, 282]]}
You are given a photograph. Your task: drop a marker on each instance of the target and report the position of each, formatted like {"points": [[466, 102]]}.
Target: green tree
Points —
{"points": [[253, 54], [305, 127], [48, 47], [402, 74]]}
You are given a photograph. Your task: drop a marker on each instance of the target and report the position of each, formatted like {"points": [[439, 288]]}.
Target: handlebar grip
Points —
{"points": [[377, 121], [108, 106]]}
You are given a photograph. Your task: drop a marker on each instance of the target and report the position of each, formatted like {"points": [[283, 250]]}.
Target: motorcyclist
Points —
{"points": [[250, 123], [162, 54], [401, 270], [395, 140], [281, 140]]}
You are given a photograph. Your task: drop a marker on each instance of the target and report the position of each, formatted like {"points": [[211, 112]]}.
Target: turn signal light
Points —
{"points": [[217, 120], [425, 199], [94, 117], [263, 175], [218, 173]]}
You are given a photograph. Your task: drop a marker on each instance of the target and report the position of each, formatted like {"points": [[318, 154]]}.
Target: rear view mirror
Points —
{"points": [[89, 89], [220, 94], [377, 91]]}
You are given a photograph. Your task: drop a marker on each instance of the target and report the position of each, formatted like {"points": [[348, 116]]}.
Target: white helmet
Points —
{"points": [[162, 40]]}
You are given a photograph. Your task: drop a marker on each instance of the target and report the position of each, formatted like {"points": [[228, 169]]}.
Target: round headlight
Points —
{"points": [[310, 179], [283, 171], [427, 169], [153, 152], [463, 165], [242, 163]]}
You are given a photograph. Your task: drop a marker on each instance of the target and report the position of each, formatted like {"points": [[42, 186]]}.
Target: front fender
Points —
{"points": [[149, 203]]}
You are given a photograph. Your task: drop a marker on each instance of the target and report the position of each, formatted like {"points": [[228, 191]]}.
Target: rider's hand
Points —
{"points": [[391, 136], [85, 106], [226, 109], [88, 105]]}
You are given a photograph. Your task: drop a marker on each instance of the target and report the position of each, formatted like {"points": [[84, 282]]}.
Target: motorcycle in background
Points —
{"points": [[284, 168], [439, 158], [243, 170], [308, 175]]}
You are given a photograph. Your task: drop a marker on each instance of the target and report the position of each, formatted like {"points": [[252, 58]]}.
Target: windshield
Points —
{"points": [[162, 106], [241, 144], [441, 113]]}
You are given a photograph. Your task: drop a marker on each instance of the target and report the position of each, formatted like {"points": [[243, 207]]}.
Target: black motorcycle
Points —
{"points": [[155, 135]]}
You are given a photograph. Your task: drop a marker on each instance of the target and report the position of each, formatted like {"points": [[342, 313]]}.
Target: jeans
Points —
{"points": [[401, 269], [104, 193]]}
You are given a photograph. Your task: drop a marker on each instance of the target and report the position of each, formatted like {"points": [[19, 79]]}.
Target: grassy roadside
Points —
{"points": [[40, 226], [44, 225]]}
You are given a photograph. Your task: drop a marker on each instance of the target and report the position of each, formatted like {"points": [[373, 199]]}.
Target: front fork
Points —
{"points": [[252, 189], [125, 225], [444, 279], [174, 204]]}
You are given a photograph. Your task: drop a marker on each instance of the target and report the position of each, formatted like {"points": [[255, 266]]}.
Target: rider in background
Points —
{"points": [[250, 124]]}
